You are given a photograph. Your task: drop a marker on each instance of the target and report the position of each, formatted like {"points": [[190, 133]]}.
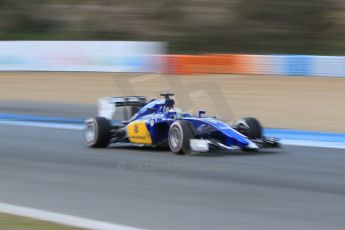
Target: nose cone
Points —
{"points": [[252, 145]]}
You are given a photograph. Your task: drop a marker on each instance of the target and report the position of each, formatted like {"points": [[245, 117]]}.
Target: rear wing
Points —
{"points": [[120, 108]]}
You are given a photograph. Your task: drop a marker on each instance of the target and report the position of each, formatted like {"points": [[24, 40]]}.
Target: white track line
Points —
{"points": [[306, 143], [310, 143], [58, 218], [43, 125]]}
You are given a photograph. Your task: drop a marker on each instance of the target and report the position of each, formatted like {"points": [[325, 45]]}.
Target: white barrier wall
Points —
{"points": [[103, 56], [150, 57]]}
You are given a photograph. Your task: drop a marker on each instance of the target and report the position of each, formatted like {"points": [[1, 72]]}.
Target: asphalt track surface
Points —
{"points": [[289, 188], [48, 109]]}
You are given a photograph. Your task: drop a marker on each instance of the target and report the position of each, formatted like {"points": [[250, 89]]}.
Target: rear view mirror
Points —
{"points": [[202, 113]]}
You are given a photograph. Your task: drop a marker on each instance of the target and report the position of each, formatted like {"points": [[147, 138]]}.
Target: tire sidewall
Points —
{"points": [[252, 125], [176, 125], [91, 143], [185, 135], [248, 128], [102, 132]]}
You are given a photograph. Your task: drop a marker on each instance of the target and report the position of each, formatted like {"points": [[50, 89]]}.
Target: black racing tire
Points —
{"points": [[179, 137], [250, 127], [101, 127]]}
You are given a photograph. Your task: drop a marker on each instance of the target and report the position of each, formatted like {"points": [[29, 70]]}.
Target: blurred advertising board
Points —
{"points": [[280, 65], [98, 56]]}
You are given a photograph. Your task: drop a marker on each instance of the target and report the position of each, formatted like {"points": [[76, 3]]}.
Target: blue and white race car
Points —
{"points": [[159, 123]]}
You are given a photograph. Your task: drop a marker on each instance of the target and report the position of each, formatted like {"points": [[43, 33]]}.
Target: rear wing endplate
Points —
{"points": [[108, 107]]}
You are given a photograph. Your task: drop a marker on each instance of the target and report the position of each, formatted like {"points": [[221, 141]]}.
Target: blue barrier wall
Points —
{"points": [[301, 65]]}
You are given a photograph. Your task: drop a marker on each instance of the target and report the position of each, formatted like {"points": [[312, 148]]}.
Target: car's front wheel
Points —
{"points": [[96, 133], [250, 127], [179, 137]]}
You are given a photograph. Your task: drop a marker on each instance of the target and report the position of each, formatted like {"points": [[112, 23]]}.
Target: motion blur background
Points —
{"points": [[189, 26], [281, 61], [248, 44]]}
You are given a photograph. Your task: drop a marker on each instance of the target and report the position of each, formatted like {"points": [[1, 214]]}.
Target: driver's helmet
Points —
{"points": [[169, 103]]}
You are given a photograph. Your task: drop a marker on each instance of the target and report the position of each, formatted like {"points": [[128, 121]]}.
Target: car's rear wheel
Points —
{"points": [[250, 127], [179, 137], [96, 133]]}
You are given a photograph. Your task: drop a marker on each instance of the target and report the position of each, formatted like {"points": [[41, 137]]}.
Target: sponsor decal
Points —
{"points": [[136, 128], [138, 133]]}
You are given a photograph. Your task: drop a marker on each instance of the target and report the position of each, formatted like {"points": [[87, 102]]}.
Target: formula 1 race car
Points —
{"points": [[160, 123]]}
